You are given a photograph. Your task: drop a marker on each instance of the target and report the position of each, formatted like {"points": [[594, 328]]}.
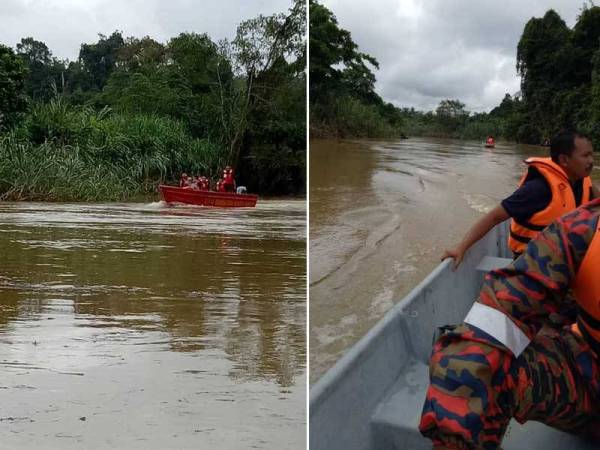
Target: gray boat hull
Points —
{"points": [[372, 398]]}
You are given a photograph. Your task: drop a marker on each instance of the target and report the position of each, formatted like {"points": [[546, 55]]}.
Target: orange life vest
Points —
{"points": [[228, 176], [562, 202], [586, 288]]}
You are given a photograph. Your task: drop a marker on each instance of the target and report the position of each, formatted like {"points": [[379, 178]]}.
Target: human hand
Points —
{"points": [[457, 253]]}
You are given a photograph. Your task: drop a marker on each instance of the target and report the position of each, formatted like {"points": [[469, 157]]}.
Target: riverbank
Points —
{"points": [[62, 152], [360, 121]]}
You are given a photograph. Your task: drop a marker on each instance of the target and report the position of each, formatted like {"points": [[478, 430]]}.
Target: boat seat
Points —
{"points": [[488, 263], [394, 425]]}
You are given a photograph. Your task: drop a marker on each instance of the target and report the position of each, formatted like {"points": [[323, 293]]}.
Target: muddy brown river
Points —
{"points": [[381, 214], [138, 326]]}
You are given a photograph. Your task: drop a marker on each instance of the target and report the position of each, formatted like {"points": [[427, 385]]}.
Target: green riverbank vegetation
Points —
{"points": [[131, 113]]}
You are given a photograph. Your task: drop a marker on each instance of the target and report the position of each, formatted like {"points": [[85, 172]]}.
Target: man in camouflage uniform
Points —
{"points": [[536, 370]]}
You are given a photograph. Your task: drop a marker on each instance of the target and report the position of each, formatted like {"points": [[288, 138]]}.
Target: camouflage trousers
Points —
{"points": [[477, 387]]}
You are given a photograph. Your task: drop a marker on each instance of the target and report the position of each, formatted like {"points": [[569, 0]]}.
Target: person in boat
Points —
{"points": [[194, 183], [220, 186], [508, 360], [490, 141], [549, 188], [228, 179], [203, 184], [183, 181]]}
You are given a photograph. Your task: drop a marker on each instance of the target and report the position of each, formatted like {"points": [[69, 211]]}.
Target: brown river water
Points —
{"points": [[381, 214], [139, 326]]}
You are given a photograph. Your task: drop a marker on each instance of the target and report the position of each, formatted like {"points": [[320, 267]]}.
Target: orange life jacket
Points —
{"points": [[562, 202], [586, 288], [228, 176]]}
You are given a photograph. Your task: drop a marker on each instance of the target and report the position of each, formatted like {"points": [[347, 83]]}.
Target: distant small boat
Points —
{"points": [[174, 194], [490, 145]]}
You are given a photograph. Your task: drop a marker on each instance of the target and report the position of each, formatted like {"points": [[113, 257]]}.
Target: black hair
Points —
{"points": [[563, 143]]}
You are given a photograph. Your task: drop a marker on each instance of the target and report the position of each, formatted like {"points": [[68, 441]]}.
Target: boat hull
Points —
{"points": [[173, 194]]}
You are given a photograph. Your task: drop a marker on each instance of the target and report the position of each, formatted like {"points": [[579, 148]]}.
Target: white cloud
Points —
{"points": [[430, 50], [65, 24]]}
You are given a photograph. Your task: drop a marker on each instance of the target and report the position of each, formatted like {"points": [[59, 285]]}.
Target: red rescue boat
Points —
{"points": [[174, 194]]}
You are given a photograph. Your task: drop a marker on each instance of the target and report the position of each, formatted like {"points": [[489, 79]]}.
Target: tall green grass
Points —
{"points": [[67, 153]]}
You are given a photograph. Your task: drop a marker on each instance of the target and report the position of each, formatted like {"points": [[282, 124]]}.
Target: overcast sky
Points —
{"points": [[429, 50], [65, 24]]}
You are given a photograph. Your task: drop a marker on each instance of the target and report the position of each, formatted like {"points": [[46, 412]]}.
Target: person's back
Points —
{"points": [[551, 187], [228, 179]]}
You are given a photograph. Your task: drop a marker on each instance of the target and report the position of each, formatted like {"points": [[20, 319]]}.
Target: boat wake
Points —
{"points": [[372, 243], [155, 206], [479, 202]]}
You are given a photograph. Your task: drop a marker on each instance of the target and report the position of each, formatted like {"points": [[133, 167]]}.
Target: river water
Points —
{"points": [[141, 326], [381, 214]]}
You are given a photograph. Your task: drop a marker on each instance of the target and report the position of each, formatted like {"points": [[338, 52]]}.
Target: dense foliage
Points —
{"points": [[12, 80], [131, 112]]}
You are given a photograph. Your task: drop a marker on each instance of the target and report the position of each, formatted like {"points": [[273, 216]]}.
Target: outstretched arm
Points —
{"points": [[476, 232]]}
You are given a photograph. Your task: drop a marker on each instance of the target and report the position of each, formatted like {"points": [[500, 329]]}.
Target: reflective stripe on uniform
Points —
{"points": [[499, 326]]}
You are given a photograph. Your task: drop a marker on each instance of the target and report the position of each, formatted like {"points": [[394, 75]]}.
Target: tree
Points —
{"points": [[335, 62], [34, 51], [260, 46], [12, 84], [199, 59], [586, 40], [153, 91], [546, 63], [45, 74], [99, 59], [137, 53], [208, 74], [505, 108], [451, 114]]}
